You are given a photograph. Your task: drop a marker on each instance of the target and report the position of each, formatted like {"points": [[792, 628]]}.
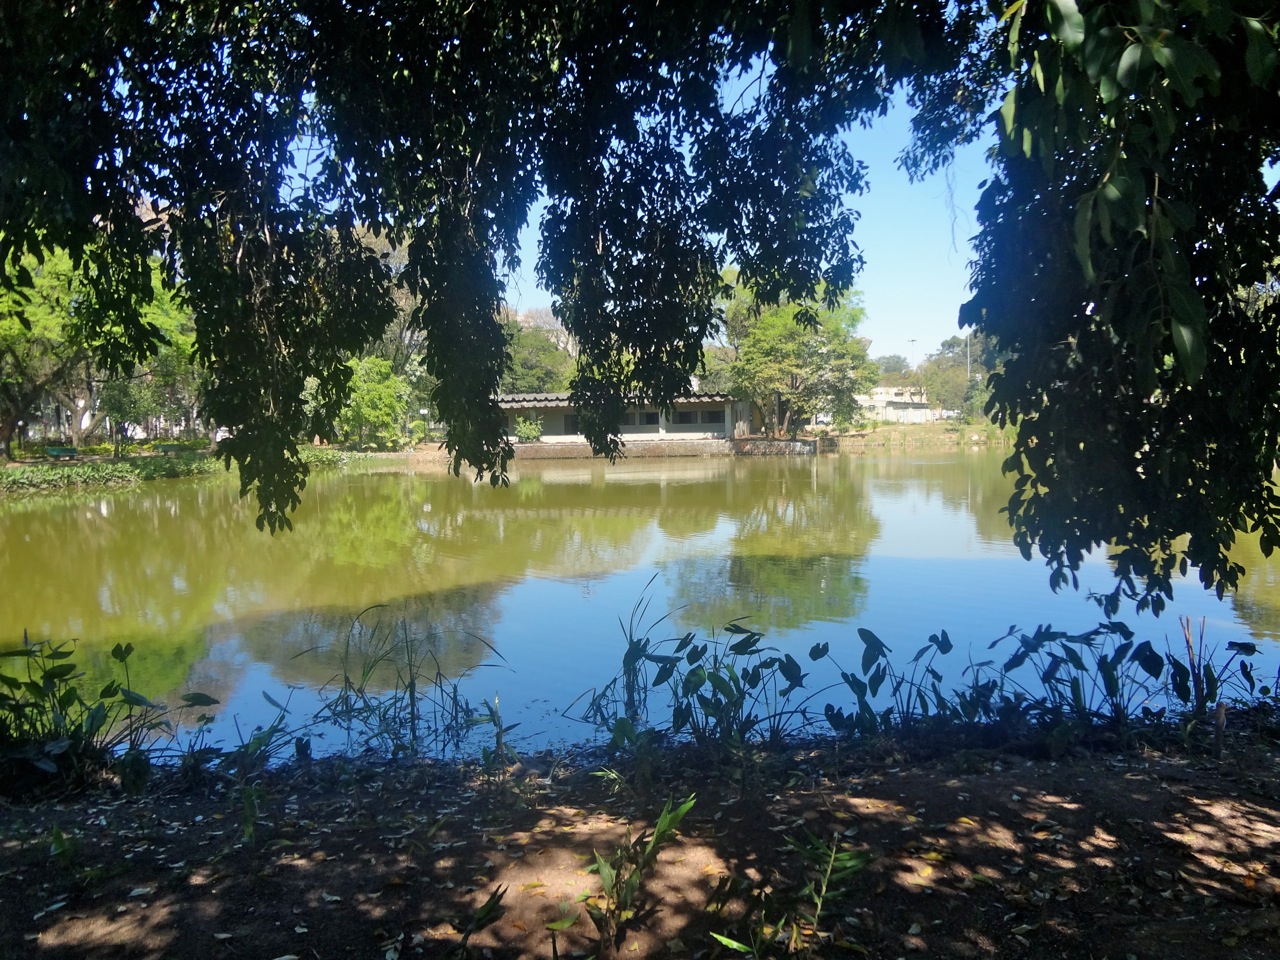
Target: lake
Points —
{"points": [[522, 593]]}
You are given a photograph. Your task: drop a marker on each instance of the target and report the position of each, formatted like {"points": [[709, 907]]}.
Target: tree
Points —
{"points": [[954, 375], [1126, 220], [40, 342], [894, 368], [164, 388], [1126, 212], [537, 364], [794, 372], [374, 414], [264, 159]]}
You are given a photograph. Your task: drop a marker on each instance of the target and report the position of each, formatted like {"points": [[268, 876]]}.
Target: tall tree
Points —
{"points": [[794, 372], [374, 414], [955, 374], [264, 156], [894, 368], [537, 363], [41, 346]]}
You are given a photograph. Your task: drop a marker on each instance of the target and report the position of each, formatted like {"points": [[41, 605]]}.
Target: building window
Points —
{"points": [[686, 416], [629, 419], [713, 416], [571, 423], [651, 418]]}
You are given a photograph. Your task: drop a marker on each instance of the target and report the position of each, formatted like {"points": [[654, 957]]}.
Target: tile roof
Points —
{"points": [[559, 399]]}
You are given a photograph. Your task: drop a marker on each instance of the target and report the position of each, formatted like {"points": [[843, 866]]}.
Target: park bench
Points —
{"points": [[61, 453]]}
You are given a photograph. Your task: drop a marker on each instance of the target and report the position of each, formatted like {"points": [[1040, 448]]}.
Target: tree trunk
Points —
{"points": [[8, 426]]}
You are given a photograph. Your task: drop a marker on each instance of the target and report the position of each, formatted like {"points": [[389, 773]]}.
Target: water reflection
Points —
{"points": [[807, 549]]}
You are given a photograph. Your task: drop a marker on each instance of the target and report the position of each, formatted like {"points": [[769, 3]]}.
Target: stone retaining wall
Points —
{"points": [[656, 449]]}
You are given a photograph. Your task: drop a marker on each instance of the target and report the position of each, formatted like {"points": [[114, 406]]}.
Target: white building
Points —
{"points": [[703, 416], [896, 405]]}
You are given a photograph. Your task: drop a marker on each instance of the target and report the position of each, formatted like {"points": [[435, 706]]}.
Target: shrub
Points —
{"points": [[528, 431], [53, 735], [119, 473]]}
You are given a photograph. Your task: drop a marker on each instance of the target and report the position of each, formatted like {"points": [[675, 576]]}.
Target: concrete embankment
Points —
{"points": [[660, 449]]}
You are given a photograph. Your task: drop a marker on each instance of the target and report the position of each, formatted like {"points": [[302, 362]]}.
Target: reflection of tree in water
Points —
{"points": [[1257, 599], [310, 648], [971, 480], [121, 564], [801, 531], [768, 592]]}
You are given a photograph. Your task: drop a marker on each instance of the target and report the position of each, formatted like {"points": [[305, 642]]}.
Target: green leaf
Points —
{"points": [[735, 944], [1187, 326], [606, 872], [197, 699], [1260, 56], [877, 678], [694, 680], [1134, 66], [1012, 9], [665, 672], [59, 671], [746, 645], [1147, 658], [136, 699], [1008, 114], [1181, 679], [721, 685], [875, 648], [1066, 23], [790, 671], [1083, 232], [1185, 63]]}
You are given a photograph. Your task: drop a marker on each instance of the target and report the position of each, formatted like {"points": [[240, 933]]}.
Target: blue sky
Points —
{"points": [[914, 236]]}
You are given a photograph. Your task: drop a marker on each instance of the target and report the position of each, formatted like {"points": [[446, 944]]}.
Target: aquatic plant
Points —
{"points": [[54, 735]]}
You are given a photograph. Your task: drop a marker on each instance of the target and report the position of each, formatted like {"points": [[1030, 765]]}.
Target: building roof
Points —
{"points": [[520, 401]]}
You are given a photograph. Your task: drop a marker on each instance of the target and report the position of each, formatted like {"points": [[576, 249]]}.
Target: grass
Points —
{"points": [[939, 434]]}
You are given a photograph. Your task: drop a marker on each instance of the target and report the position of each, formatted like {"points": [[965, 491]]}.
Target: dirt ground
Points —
{"points": [[984, 854]]}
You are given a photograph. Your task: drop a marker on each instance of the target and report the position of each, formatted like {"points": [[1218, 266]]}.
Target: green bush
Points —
{"points": [[528, 431], [96, 450], [40, 478], [179, 465], [116, 473], [315, 457], [198, 445], [420, 432]]}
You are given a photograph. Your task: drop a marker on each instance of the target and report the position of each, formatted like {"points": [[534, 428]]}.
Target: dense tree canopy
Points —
{"points": [[954, 376], [41, 344], [537, 363], [252, 145], [793, 373]]}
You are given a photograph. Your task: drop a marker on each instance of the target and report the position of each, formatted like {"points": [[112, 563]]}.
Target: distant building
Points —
{"points": [[703, 416], [896, 405]]}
